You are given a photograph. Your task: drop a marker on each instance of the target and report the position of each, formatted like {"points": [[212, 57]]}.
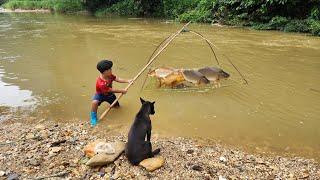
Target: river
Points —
{"points": [[48, 66]]}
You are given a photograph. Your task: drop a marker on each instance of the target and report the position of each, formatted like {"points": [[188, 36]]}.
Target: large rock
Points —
{"points": [[152, 164], [99, 147], [104, 158]]}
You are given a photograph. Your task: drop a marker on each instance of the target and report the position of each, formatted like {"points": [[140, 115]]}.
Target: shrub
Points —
{"points": [[123, 8], [202, 13], [68, 6], [314, 27], [297, 26]]}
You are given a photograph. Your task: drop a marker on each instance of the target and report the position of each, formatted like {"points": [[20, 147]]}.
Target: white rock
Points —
{"points": [[222, 178], [104, 148], [104, 159], [2, 173], [223, 159]]}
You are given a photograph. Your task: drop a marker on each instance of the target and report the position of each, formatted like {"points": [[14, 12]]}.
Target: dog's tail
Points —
{"points": [[155, 152]]}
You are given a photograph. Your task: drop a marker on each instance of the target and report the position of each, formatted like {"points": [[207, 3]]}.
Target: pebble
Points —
{"points": [[223, 159], [39, 127], [13, 176], [197, 168], [190, 151], [55, 150], [34, 162]]}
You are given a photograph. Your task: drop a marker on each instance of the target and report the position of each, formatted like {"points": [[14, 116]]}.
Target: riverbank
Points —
{"points": [[24, 10], [285, 16], [26, 150]]}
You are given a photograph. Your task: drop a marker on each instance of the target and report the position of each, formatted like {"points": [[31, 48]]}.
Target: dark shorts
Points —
{"points": [[108, 98]]}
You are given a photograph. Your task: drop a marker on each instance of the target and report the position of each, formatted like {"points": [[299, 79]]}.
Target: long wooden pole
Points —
{"points": [[143, 69]]}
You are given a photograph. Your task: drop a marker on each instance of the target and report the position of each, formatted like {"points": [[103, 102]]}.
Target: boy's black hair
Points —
{"points": [[104, 65]]}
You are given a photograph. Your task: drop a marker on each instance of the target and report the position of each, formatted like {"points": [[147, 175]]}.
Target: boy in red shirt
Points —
{"points": [[104, 90]]}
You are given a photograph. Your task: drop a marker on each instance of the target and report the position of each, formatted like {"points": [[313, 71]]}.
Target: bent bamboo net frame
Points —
{"points": [[144, 68], [210, 45]]}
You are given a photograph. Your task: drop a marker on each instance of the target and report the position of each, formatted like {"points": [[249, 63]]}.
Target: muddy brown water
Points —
{"points": [[47, 64]]}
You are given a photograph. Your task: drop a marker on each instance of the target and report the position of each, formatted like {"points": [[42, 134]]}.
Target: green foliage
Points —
{"points": [[202, 13], [56, 5], [68, 6], [315, 13], [94, 5], [172, 8], [276, 23], [2, 1], [29, 4], [122, 8], [315, 27], [297, 26], [150, 8]]}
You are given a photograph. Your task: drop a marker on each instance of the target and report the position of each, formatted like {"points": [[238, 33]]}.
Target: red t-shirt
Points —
{"points": [[104, 86]]}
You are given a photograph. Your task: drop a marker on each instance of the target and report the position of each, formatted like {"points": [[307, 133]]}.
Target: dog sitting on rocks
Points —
{"points": [[138, 148]]}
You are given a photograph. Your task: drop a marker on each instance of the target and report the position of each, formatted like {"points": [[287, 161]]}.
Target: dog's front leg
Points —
{"points": [[149, 134]]}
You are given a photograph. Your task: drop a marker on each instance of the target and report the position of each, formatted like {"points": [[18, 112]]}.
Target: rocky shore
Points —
{"points": [[49, 150]]}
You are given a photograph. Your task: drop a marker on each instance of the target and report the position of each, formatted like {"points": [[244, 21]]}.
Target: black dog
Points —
{"points": [[137, 148]]}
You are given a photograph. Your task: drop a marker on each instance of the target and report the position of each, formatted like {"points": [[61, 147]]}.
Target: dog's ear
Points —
{"points": [[153, 102], [142, 101]]}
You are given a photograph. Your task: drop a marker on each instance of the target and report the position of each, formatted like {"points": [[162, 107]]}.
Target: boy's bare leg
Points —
{"points": [[94, 106]]}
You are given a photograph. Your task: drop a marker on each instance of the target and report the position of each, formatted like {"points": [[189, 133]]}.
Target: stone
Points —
{"points": [[116, 175], [190, 151], [222, 178], [44, 134], [40, 127], [102, 172], [34, 162], [104, 159], [142, 177], [106, 148], [2, 173], [29, 136], [305, 175], [197, 168], [54, 150], [84, 160], [13, 176], [89, 148], [152, 164], [223, 159], [57, 143]]}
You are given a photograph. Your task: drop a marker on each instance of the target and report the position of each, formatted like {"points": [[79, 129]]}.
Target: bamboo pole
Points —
{"points": [[143, 69]]}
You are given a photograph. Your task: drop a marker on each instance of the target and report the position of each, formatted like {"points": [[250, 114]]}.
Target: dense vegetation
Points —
{"points": [[285, 15], [64, 6]]}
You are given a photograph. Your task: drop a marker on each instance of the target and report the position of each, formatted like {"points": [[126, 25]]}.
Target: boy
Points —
{"points": [[104, 90]]}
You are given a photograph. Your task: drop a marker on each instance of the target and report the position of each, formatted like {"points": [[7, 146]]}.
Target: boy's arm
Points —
{"points": [[122, 80], [123, 91]]}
